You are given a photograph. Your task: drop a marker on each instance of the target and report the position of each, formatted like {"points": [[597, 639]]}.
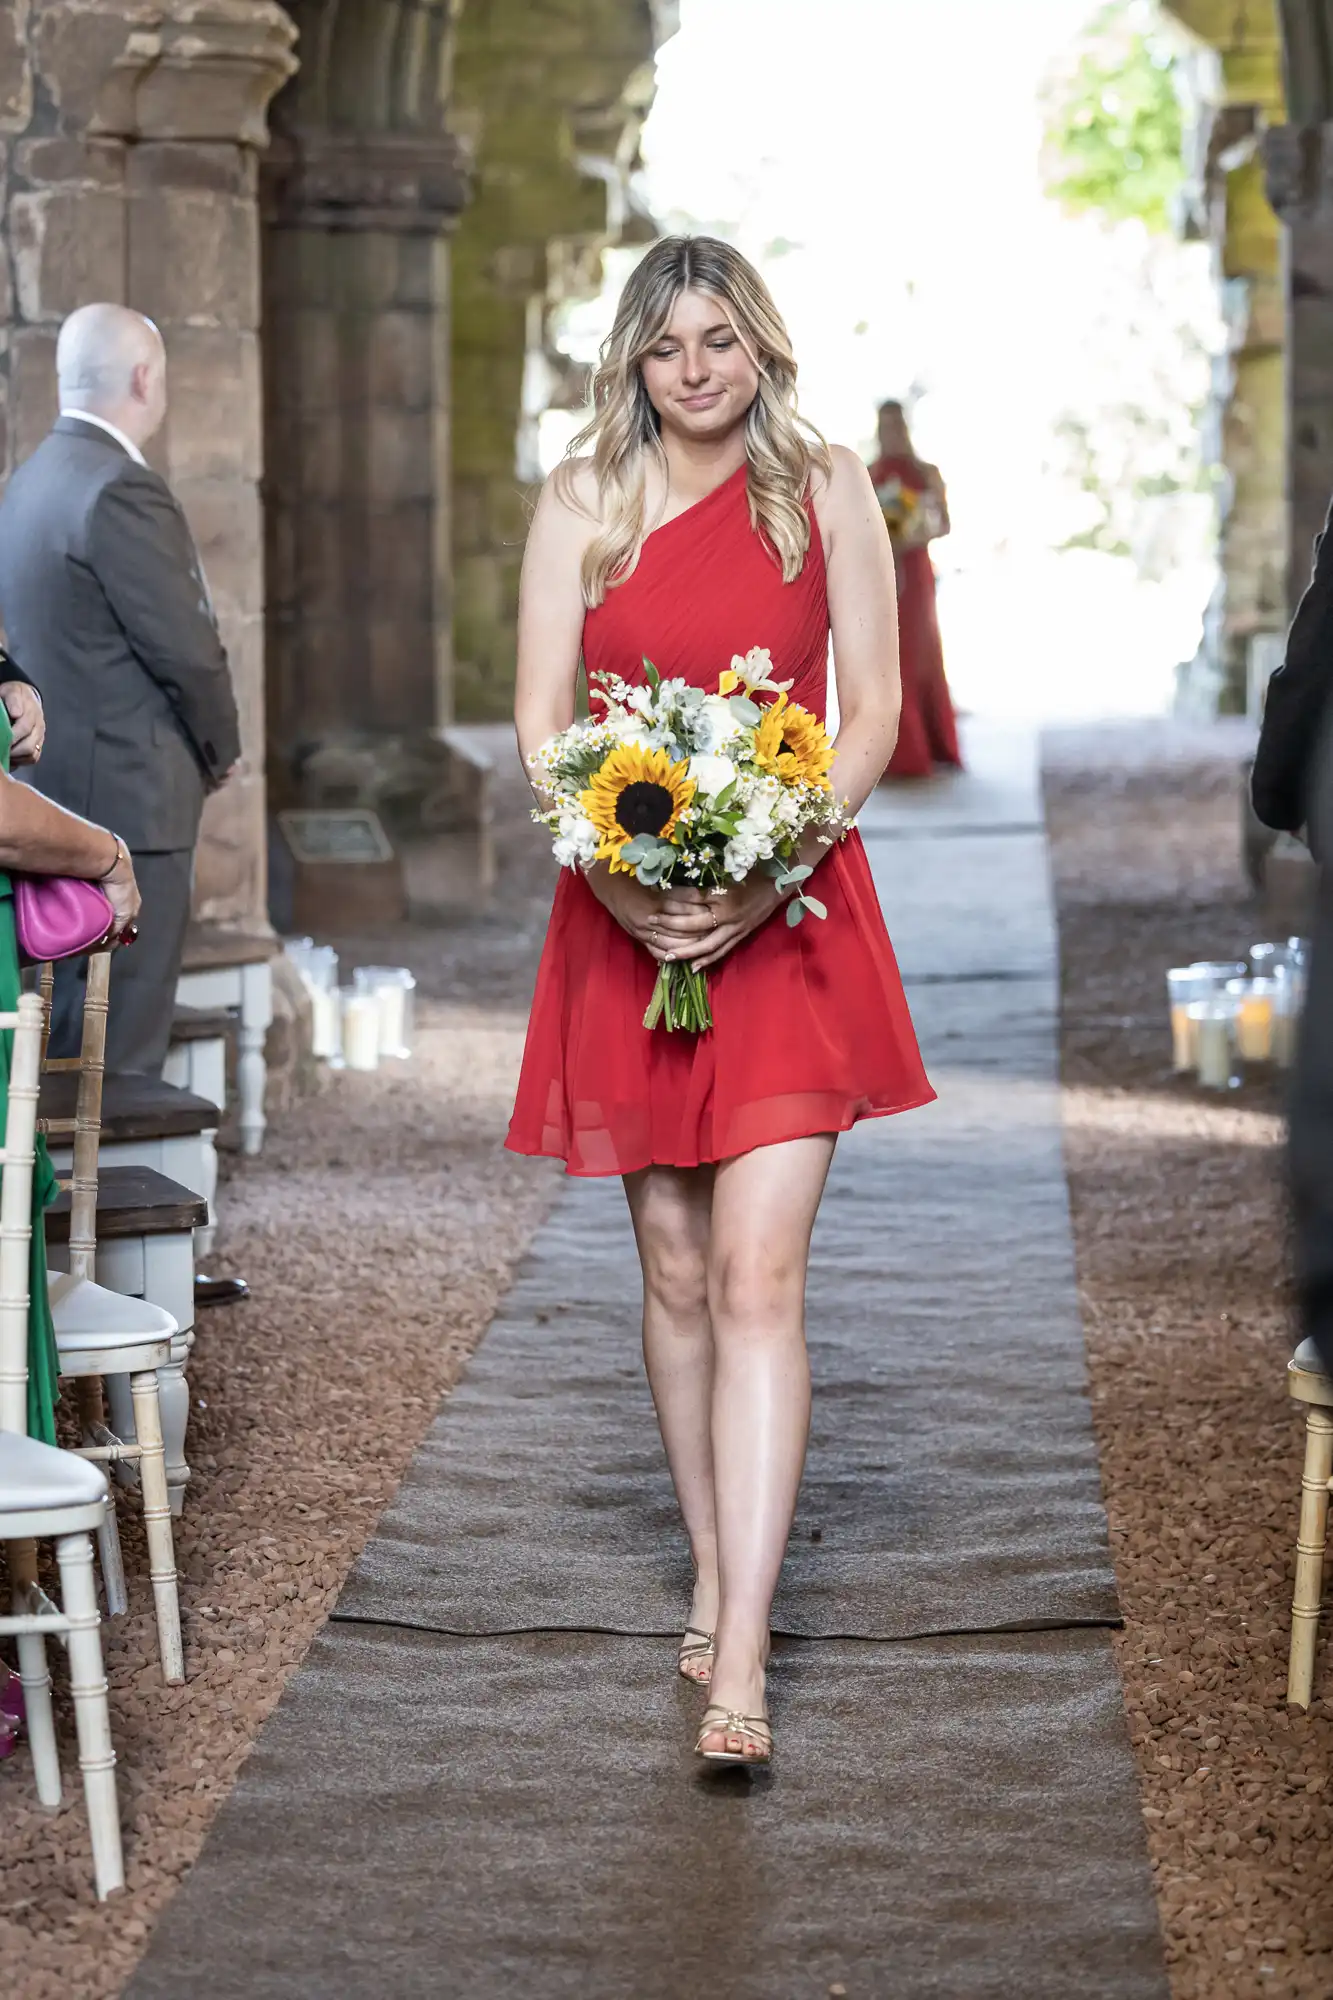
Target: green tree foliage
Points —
{"points": [[1113, 121]]}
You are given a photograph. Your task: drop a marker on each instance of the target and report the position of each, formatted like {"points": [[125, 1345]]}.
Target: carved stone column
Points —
{"points": [[134, 179], [356, 276], [1300, 181]]}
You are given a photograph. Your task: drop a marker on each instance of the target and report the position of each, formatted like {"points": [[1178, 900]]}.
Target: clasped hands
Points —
{"points": [[694, 927]]}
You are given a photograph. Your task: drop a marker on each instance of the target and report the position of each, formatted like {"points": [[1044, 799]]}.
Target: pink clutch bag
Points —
{"points": [[58, 916]]}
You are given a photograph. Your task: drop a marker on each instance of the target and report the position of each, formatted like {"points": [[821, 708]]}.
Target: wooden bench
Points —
{"points": [[146, 1122], [145, 1248]]}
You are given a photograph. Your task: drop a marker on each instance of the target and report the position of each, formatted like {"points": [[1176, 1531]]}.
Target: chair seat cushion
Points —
{"points": [[35, 1475], [89, 1315], [1306, 1357]]}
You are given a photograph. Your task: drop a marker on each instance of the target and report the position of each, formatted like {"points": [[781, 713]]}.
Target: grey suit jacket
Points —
{"points": [[105, 605]]}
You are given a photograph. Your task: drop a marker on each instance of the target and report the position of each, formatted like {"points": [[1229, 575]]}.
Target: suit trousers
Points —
{"points": [[143, 974]]}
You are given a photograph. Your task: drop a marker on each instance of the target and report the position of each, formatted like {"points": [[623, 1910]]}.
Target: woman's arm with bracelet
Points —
{"points": [[38, 837]]}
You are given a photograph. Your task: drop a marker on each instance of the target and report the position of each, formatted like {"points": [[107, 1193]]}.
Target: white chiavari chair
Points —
{"points": [[46, 1493], [102, 1333]]}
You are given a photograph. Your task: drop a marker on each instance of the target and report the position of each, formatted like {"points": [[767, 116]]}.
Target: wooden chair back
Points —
{"points": [[16, 1170], [86, 1124]]}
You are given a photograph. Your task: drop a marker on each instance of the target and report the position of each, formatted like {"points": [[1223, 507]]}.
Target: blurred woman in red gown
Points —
{"points": [[927, 734]]}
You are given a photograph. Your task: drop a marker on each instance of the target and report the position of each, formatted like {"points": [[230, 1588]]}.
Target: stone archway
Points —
{"points": [[359, 191]]}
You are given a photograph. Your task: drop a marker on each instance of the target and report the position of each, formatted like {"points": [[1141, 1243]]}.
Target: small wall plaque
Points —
{"points": [[352, 835], [345, 874]]}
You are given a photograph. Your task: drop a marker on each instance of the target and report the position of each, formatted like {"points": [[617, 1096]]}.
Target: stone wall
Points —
{"points": [[551, 100], [1231, 207], [131, 136]]}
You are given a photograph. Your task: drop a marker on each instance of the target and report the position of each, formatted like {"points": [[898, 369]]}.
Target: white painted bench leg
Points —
{"points": [[251, 1070], [208, 1188], [92, 1717], [168, 1263], [157, 1525], [36, 1680]]}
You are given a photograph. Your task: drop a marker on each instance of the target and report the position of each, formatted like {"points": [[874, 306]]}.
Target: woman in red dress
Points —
{"points": [[927, 732], [707, 521]]}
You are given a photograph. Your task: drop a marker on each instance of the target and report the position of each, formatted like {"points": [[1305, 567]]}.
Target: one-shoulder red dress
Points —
{"points": [[811, 1029]]}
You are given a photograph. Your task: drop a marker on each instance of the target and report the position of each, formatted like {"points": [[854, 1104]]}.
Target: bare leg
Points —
{"points": [[764, 1207], [671, 1210]]}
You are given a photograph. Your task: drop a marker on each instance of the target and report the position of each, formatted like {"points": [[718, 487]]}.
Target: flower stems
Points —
{"points": [[680, 1001]]}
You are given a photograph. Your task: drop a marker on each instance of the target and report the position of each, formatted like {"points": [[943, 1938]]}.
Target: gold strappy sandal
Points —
{"points": [[695, 1648], [724, 1722]]}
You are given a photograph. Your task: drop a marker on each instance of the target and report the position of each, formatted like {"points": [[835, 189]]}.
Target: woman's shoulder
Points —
{"points": [[573, 485], [845, 473], [568, 511], [841, 486]]}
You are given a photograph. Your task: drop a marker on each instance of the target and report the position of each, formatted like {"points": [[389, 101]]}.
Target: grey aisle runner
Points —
{"points": [[477, 1784]]}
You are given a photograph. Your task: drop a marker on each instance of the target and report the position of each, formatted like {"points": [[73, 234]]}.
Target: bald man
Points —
{"points": [[105, 605]]}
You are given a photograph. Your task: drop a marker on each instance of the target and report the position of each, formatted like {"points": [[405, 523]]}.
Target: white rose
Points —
{"points": [[712, 774], [576, 841], [739, 857]]}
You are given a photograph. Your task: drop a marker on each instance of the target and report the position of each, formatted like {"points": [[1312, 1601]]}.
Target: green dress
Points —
{"points": [[42, 1364]]}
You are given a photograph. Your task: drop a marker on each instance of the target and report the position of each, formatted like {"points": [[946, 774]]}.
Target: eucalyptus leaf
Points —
{"points": [[638, 849], [813, 904], [801, 873], [795, 911], [748, 713]]}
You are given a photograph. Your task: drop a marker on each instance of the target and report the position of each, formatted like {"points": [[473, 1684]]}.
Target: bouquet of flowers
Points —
{"points": [[678, 786]]}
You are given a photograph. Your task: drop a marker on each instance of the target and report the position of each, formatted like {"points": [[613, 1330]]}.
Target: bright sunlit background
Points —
{"points": [[881, 161]]}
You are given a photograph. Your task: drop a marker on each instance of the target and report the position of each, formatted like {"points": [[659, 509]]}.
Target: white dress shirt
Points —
{"points": [[126, 444]]}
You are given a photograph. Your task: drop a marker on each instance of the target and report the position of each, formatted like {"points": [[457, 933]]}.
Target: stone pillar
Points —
{"points": [[356, 279], [135, 180], [1300, 174]]}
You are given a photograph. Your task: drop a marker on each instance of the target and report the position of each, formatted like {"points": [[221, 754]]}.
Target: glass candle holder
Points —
{"points": [[393, 988], [1255, 1017], [1214, 1021], [1288, 1001], [1183, 985], [360, 1029], [322, 966], [298, 950]]}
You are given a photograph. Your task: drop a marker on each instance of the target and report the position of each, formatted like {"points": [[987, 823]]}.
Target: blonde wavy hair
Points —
{"points": [[782, 448]]}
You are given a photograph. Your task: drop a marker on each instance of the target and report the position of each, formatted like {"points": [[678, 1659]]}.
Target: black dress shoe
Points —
{"points": [[219, 1291]]}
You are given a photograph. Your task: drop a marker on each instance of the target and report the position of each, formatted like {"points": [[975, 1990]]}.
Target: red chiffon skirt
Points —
{"points": [[811, 1033]]}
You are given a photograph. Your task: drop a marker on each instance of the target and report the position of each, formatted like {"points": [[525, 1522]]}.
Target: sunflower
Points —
{"points": [[791, 744], [635, 791]]}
